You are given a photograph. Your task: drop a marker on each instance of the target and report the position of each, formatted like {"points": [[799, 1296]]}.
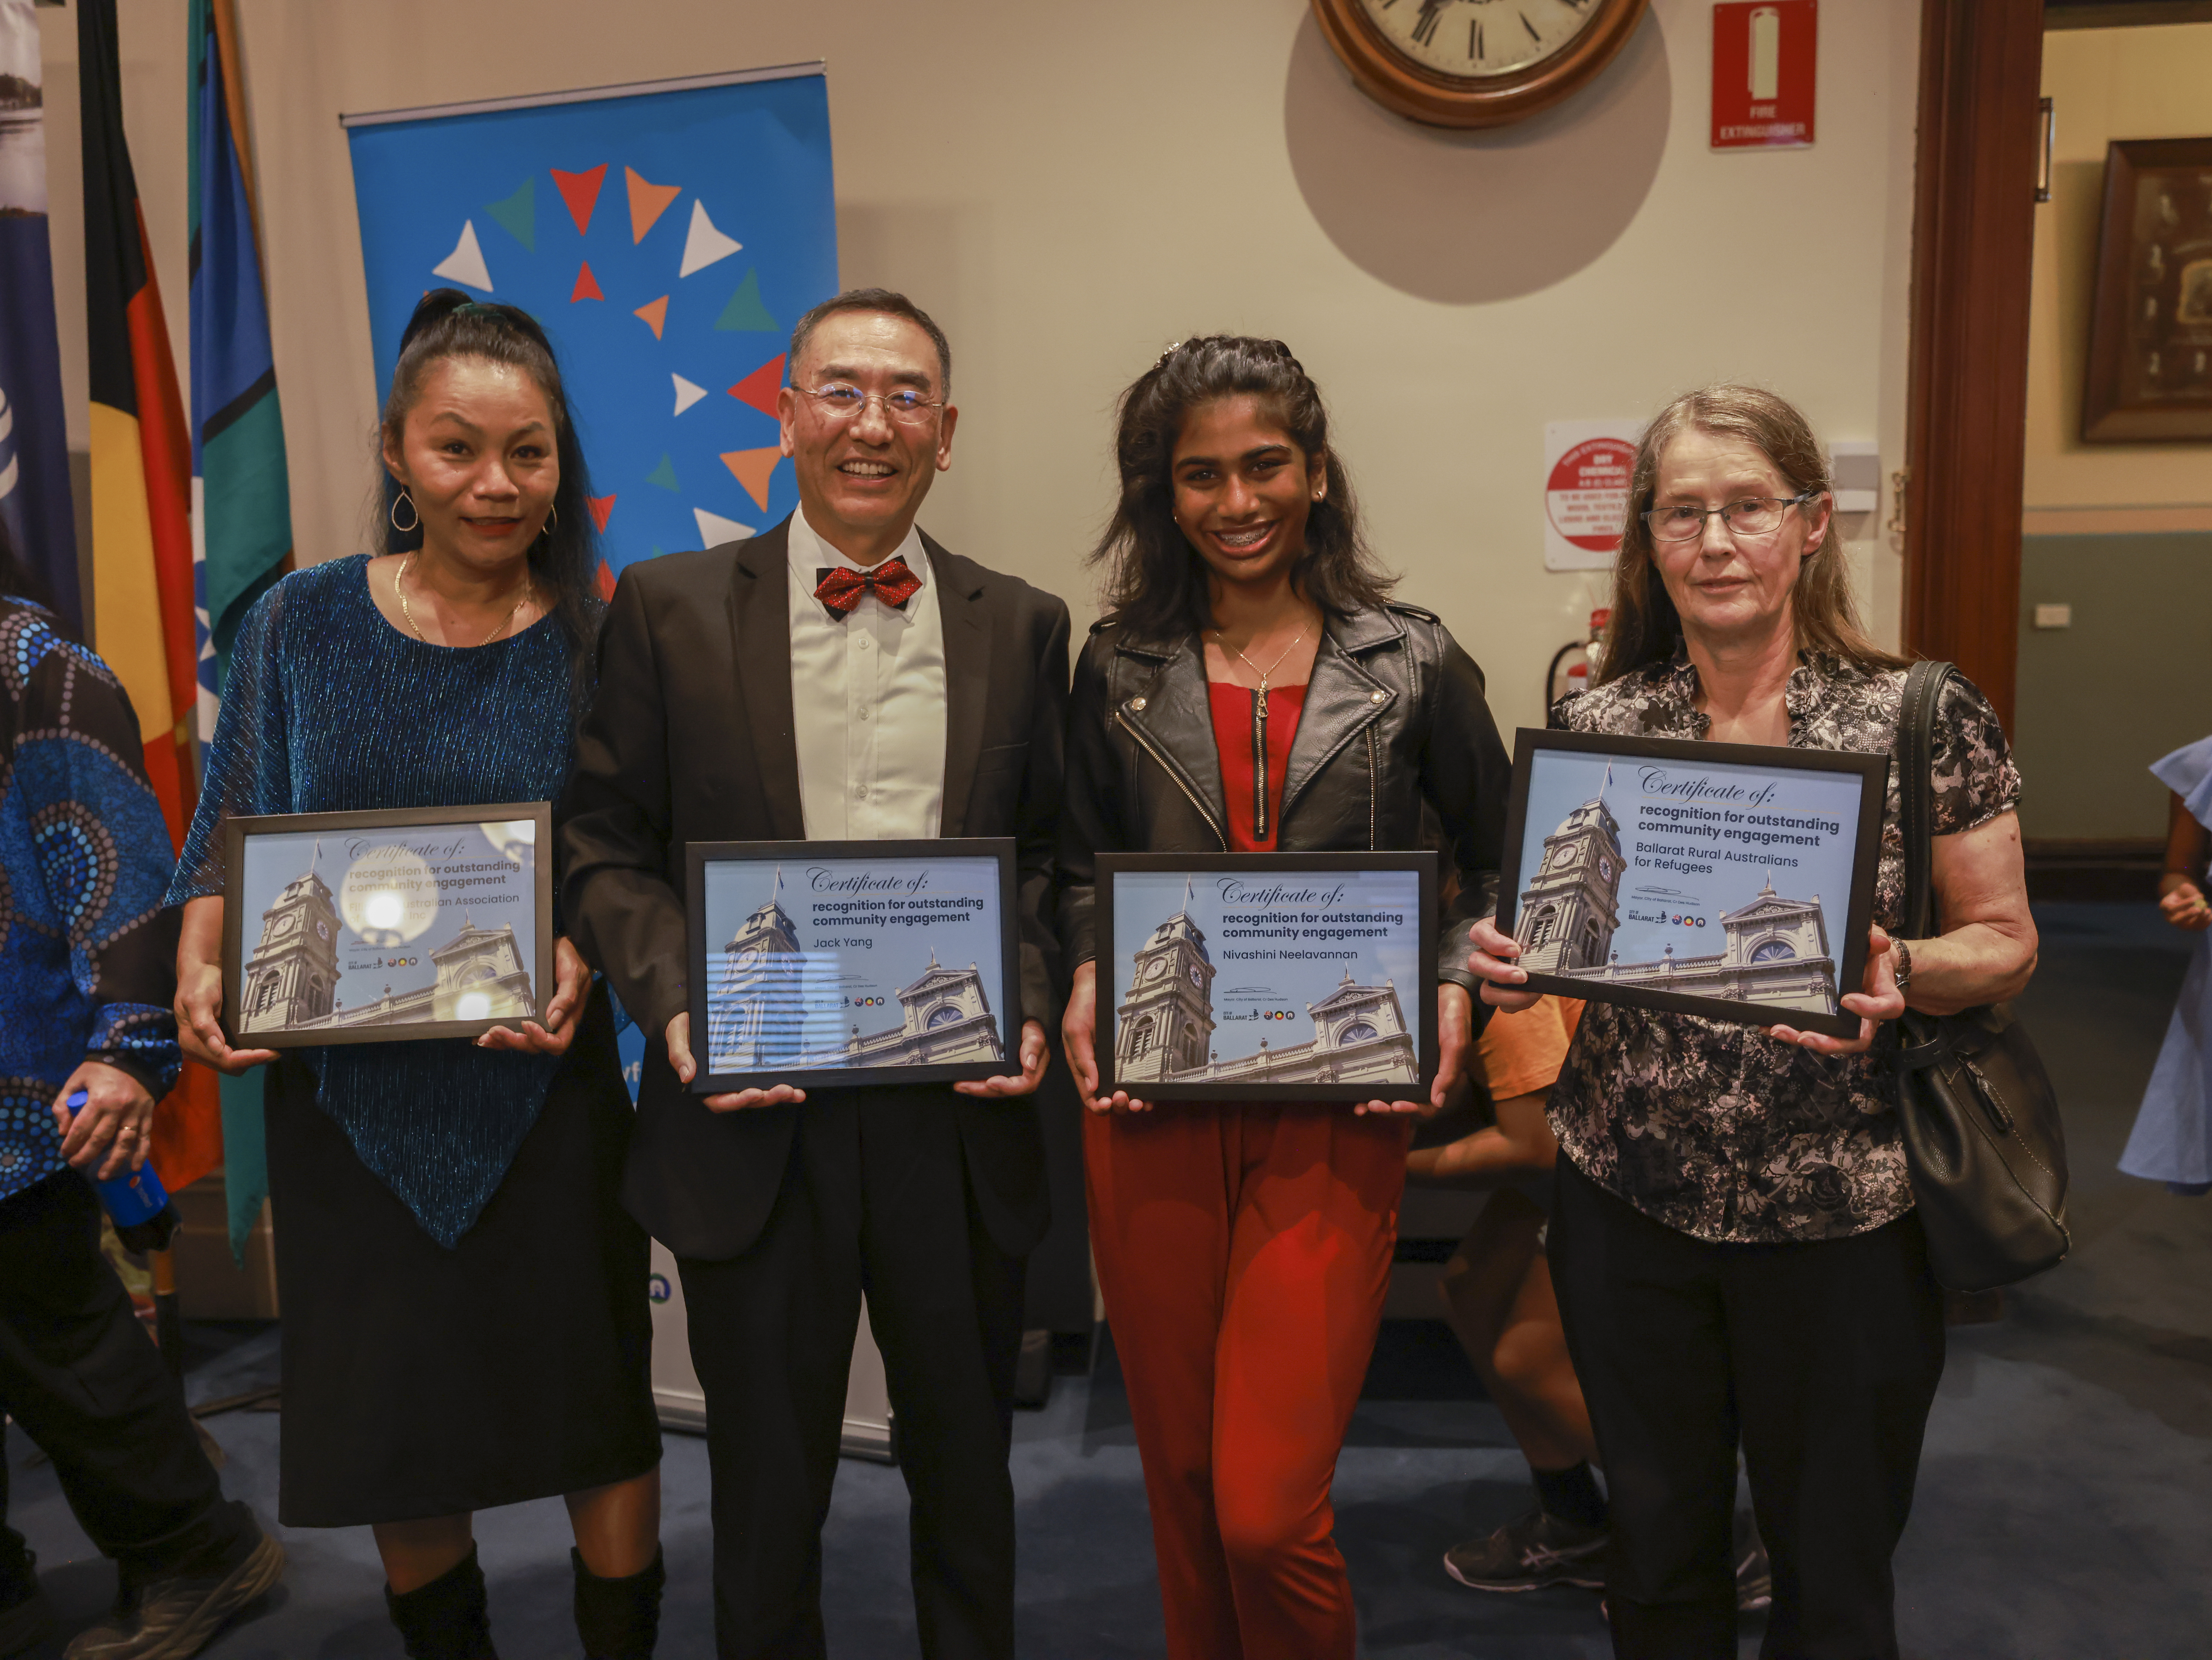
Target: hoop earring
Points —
{"points": [[392, 513]]}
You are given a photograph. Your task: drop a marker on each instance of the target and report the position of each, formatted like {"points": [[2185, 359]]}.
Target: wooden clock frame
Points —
{"points": [[1415, 90]]}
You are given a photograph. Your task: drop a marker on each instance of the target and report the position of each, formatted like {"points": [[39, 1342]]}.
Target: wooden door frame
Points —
{"points": [[1973, 239]]}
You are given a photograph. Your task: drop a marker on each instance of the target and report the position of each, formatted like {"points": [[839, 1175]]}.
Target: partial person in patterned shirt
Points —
{"points": [[86, 973], [1734, 1242]]}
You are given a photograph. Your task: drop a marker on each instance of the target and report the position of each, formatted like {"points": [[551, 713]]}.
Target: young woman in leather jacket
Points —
{"points": [[1253, 689]]}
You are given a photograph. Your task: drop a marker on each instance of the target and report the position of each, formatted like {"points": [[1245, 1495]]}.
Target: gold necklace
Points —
{"points": [[1263, 673], [399, 587]]}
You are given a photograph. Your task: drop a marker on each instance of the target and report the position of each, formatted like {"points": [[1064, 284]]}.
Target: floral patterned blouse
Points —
{"points": [[1712, 1128]]}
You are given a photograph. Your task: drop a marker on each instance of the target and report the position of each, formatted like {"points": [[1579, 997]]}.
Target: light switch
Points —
{"points": [[1857, 469], [2054, 616]]}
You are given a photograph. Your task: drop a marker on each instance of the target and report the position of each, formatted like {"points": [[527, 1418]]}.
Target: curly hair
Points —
{"points": [[1156, 582], [1644, 623], [565, 558]]}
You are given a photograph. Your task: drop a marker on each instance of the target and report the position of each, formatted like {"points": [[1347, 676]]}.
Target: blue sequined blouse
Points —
{"points": [[329, 709]]}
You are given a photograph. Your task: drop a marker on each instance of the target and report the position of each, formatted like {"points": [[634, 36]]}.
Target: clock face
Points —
{"points": [[1156, 968], [1472, 39], [280, 926], [1196, 978], [1605, 869], [322, 929]]}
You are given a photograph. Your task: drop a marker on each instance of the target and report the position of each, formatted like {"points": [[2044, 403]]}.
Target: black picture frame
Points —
{"points": [[388, 1021], [1515, 911], [1286, 1080], [1004, 1008], [2147, 377]]}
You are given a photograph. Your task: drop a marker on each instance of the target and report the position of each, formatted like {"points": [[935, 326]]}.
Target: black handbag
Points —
{"points": [[1981, 1135]]}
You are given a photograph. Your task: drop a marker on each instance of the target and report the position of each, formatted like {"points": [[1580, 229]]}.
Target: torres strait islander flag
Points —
{"points": [[142, 550], [241, 503]]}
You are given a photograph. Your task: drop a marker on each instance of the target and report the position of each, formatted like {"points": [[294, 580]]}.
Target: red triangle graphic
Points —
{"points": [[759, 388], [601, 505], [587, 286], [581, 191], [655, 314], [605, 580]]}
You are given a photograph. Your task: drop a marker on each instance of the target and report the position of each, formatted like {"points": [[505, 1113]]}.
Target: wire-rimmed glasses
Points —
{"points": [[909, 406], [1748, 516]]}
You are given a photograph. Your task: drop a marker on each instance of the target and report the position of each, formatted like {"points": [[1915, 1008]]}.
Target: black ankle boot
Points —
{"points": [[445, 1620], [618, 1619]]}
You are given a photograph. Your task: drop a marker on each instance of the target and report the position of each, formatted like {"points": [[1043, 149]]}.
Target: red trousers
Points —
{"points": [[1243, 1252]]}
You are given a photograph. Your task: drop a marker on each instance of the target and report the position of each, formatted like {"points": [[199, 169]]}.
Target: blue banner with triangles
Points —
{"points": [[667, 238]]}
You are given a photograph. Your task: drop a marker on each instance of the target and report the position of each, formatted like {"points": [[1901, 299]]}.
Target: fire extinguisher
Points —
{"points": [[1574, 662]]}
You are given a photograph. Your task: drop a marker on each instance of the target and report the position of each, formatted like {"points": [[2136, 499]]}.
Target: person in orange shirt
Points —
{"points": [[1497, 1291]]}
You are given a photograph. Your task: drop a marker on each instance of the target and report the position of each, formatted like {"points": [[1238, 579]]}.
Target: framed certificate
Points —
{"points": [[853, 963], [1267, 977], [1731, 881], [364, 927]]}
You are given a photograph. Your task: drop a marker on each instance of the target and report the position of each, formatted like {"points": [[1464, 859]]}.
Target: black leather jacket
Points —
{"points": [[1394, 723]]}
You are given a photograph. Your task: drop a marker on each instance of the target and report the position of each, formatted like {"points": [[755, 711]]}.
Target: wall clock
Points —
{"points": [[1475, 63]]}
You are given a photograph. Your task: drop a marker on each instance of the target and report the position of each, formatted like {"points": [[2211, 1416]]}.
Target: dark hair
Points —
{"points": [[564, 560], [1644, 623], [1156, 583], [884, 300]]}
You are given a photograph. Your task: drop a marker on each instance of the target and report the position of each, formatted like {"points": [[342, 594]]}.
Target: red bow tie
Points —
{"points": [[841, 587]]}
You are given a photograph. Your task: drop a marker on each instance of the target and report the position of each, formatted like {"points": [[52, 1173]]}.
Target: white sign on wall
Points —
{"points": [[1586, 467]]}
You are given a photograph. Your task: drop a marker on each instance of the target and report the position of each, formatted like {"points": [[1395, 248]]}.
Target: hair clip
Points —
{"points": [[1174, 346]]}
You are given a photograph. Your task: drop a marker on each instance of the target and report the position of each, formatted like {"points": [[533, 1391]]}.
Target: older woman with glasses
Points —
{"points": [[1734, 1242]]}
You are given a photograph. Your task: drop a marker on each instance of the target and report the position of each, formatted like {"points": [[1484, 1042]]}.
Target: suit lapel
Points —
{"points": [[760, 634], [966, 621]]}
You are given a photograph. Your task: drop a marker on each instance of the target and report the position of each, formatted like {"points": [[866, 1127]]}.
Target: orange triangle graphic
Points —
{"points": [[655, 314], [581, 191], [759, 388], [646, 202], [604, 580], [587, 286], [751, 468], [601, 505]]}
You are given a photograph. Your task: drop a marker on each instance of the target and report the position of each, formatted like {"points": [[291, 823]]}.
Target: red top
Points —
{"points": [[1253, 755]]}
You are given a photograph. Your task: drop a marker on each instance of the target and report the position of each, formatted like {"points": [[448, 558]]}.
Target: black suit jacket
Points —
{"points": [[690, 739]]}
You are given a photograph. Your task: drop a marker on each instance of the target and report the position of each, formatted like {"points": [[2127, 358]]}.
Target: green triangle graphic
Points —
{"points": [[664, 475], [745, 311], [519, 213]]}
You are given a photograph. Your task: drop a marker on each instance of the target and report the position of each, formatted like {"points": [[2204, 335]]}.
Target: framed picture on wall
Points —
{"points": [[1731, 881], [1267, 977], [2149, 371], [364, 927]]}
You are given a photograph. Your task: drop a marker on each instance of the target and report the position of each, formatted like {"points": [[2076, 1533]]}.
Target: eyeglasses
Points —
{"points": [[1754, 515], [908, 407]]}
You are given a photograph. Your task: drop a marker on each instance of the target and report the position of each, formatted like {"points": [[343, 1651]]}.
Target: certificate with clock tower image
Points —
{"points": [[360, 927], [1733, 881], [1282, 977]]}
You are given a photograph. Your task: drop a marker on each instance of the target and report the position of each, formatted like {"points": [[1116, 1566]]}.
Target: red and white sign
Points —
{"points": [[1765, 56], [1586, 468]]}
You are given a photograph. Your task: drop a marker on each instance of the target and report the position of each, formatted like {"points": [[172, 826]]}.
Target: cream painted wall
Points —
{"points": [[2105, 84], [1069, 188]]}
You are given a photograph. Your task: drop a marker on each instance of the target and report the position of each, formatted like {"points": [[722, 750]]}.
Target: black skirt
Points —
{"points": [[423, 1382]]}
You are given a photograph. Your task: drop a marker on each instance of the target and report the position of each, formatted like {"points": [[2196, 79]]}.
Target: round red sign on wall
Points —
{"points": [[1586, 497]]}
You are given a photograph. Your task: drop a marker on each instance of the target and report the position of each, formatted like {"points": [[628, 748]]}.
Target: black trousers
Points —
{"points": [[876, 1198], [1821, 1358], [78, 1375]]}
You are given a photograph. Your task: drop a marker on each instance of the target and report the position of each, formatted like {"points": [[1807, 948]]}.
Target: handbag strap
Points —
{"points": [[1915, 789]]}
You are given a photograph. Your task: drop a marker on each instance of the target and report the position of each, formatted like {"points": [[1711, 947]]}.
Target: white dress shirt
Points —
{"points": [[867, 702]]}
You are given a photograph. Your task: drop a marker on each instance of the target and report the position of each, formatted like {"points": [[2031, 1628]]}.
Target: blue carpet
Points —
{"points": [[2065, 1504]]}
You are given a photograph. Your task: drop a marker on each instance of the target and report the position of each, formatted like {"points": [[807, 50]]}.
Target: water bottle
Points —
{"points": [[136, 1201]]}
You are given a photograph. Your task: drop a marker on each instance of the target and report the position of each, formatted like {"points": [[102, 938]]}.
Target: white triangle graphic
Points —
{"points": [[703, 244], [686, 393], [715, 530], [466, 264]]}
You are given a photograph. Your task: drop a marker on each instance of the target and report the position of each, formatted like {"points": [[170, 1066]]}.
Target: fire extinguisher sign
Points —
{"points": [[1765, 56]]}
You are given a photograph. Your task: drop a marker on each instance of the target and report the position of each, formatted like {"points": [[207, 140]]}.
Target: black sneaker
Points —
{"points": [[1527, 1555], [174, 1619], [1755, 1574]]}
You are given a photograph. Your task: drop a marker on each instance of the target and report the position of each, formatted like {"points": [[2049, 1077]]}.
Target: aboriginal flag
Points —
{"points": [[142, 544]]}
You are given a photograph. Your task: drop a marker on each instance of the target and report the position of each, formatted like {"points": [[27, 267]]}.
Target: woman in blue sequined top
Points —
{"points": [[465, 1321]]}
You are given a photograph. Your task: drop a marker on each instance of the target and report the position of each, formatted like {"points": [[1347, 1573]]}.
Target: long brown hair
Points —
{"points": [[1156, 583], [1644, 623]]}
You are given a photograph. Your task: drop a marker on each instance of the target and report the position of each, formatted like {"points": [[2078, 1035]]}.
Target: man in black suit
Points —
{"points": [[840, 675]]}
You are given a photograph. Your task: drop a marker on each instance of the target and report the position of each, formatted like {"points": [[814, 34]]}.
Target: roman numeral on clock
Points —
{"points": [[1424, 26]]}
